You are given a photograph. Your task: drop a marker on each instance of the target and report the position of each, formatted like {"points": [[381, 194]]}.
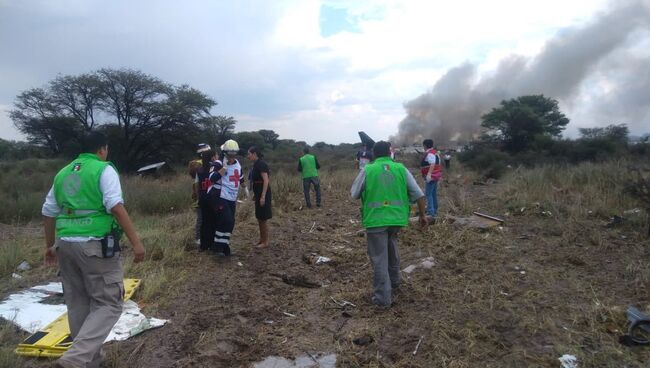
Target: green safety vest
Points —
{"points": [[308, 164], [76, 190], [385, 195]]}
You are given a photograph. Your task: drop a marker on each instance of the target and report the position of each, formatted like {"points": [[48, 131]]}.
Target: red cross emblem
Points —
{"points": [[235, 177]]}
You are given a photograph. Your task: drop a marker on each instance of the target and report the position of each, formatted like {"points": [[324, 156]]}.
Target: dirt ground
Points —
{"points": [[520, 295]]}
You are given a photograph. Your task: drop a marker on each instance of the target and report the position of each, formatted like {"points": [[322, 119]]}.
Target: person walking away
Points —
{"points": [[308, 165], [260, 182], [208, 193], [364, 157], [84, 216], [192, 168], [386, 188], [447, 160], [229, 175], [431, 173]]}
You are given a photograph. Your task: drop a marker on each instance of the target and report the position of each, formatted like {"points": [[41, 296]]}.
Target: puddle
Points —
{"points": [[305, 361]]}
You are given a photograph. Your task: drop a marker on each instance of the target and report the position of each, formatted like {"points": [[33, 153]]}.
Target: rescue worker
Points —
{"points": [[308, 165], [386, 188], [207, 192], [431, 173], [192, 168], [84, 216], [229, 175]]}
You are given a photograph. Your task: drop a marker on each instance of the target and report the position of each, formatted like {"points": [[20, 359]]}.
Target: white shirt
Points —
{"points": [[109, 185], [230, 181]]}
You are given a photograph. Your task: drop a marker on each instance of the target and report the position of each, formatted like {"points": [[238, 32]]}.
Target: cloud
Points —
{"points": [[269, 64]]}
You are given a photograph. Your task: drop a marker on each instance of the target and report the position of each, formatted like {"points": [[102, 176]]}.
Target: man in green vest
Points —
{"points": [[84, 216], [386, 189], [308, 165]]}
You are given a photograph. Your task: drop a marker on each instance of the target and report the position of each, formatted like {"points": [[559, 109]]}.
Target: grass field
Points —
{"points": [[580, 273]]}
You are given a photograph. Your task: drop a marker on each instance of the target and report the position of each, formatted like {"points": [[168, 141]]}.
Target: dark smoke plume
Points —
{"points": [[572, 67]]}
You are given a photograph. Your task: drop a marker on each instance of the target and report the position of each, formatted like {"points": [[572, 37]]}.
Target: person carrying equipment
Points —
{"points": [[229, 175], [386, 188], [308, 165], [84, 217]]}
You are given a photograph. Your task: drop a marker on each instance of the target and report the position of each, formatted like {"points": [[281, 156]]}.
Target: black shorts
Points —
{"points": [[263, 213]]}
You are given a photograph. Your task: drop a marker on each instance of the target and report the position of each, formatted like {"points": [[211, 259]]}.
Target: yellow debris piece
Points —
{"points": [[53, 340]]}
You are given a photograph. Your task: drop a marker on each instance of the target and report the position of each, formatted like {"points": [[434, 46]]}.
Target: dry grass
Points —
{"points": [[474, 308]]}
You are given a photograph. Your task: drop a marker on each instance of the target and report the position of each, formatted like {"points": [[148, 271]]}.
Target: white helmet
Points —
{"points": [[230, 146]]}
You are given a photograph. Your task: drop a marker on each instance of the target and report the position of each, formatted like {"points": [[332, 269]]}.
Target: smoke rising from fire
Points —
{"points": [[599, 71]]}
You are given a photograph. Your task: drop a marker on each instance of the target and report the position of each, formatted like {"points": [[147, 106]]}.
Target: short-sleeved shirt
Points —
{"points": [[257, 182], [364, 158]]}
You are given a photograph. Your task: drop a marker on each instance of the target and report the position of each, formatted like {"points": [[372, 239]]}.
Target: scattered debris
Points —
{"points": [[288, 314], [313, 258], [320, 228], [240, 264], [153, 169], [361, 233], [132, 322], [568, 361], [426, 263], [24, 266], [16, 276], [637, 320], [298, 280], [304, 361], [363, 340], [478, 220], [343, 303], [615, 221], [418, 345], [632, 211]]}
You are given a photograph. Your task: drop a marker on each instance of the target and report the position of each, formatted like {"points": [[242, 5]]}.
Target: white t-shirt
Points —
{"points": [[230, 181]]}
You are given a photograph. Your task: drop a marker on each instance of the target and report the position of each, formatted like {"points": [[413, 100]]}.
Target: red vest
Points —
{"points": [[437, 168]]}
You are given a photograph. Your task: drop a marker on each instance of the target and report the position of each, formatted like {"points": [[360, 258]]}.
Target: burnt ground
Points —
{"points": [[521, 295]]}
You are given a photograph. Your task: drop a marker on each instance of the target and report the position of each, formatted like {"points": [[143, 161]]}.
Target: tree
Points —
{"points": [[248, 139], [218, 129], [616, 133], [270, 137], [146, 118], [519, 122]]}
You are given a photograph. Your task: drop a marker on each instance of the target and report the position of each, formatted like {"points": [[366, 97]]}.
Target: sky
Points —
{"points": [[310, 70]]}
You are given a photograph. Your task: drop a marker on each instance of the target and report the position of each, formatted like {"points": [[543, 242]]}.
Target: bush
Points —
{"points": [[489, 162]]}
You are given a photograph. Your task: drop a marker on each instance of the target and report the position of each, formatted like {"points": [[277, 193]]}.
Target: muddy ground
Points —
{"points": [[520, 295]]}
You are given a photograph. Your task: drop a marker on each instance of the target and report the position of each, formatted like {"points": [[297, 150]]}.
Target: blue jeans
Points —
{"points": [[431, 191]]}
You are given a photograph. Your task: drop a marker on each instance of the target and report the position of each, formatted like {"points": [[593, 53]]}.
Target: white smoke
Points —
{"points": [[603, 63]]}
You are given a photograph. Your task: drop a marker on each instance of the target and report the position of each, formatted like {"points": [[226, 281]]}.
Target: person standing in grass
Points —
{"points": [[207, 191], [228, 175], [192, 167], [308, 165], [386, 188], [260, 182], [431, 171], [84, 216]]}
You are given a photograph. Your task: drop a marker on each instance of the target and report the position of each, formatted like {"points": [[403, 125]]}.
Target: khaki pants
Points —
{"points": [[93, 289]]}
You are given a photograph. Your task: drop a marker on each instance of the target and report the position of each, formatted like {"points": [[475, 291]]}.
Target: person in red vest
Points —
{"points": [[431, 173]]}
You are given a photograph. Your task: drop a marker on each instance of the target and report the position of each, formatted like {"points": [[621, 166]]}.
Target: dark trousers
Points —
{"points": [[208, 226], [225, 225], [306, 186]]}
